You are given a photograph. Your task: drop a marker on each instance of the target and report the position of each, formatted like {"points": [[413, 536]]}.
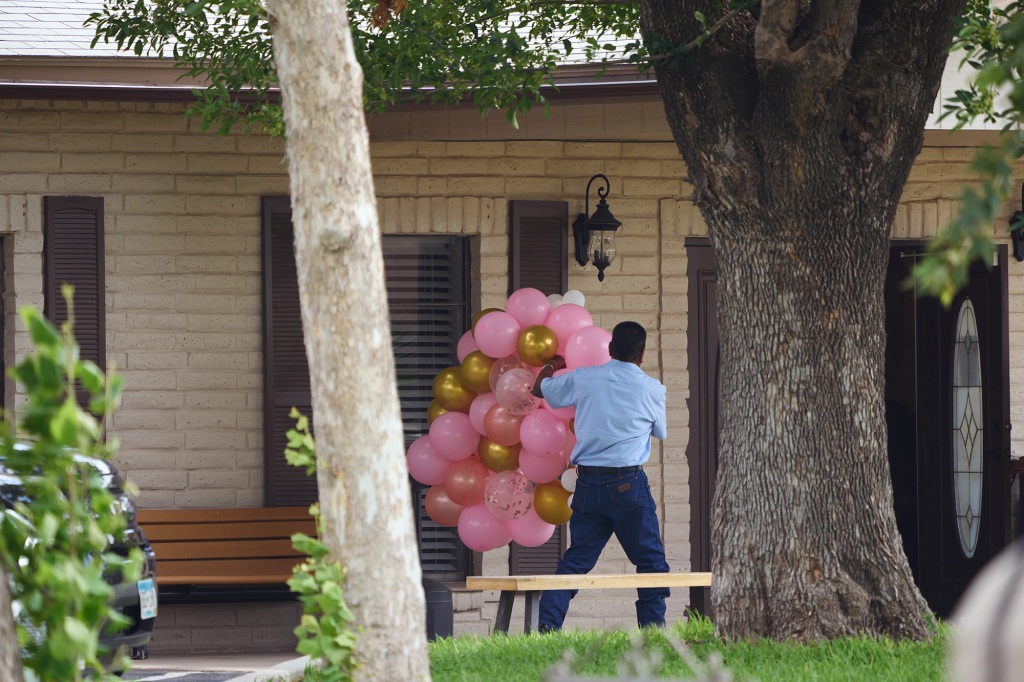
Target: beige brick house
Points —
{"points": [[181, 253]]}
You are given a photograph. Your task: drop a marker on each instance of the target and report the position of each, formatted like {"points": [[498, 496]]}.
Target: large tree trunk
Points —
{"points": [[799, 127], [10, 655], [364, 495]]}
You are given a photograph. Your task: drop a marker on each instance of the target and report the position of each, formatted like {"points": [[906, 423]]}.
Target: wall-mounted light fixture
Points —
{"points": [[595, 236], [1017, 229]]}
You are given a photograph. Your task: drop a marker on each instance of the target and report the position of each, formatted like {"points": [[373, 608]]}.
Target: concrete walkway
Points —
{"points": [[219, 667]]}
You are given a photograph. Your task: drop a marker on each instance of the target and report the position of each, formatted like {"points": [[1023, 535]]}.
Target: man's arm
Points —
{"points": [[549, 368]]}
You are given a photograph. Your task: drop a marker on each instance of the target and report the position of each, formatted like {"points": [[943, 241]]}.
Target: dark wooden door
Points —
{"points": [[950, 427], [702, 447]]}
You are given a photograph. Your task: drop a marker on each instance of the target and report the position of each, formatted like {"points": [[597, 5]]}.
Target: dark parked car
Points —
{"points": [[135, 599]]}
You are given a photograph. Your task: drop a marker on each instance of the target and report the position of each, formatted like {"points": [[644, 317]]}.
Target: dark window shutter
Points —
{"points": [[285, 369], [428, 297], [73, 254], [538, 253], [538, 258]]}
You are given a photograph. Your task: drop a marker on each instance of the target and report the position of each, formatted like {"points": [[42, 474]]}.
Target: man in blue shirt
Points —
{"points": [[618, 409]]}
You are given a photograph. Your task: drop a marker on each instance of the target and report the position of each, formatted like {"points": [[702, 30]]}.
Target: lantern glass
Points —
{"points": [[602, 247]]}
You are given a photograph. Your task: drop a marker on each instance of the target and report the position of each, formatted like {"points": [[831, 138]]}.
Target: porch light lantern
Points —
{"points": [[595, 236]]}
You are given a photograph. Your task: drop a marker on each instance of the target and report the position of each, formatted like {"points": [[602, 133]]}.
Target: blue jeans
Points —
{"points": [[602, 505]]}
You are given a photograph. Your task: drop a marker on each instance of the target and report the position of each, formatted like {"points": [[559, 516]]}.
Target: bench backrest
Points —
{"points": [[243, 546]]}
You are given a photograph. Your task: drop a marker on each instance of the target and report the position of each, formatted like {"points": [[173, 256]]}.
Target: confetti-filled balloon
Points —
{"points": [[515, 392], [508, 495]]}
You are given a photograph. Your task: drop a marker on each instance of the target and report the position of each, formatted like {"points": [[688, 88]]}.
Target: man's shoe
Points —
{"points": [[544, 627]]}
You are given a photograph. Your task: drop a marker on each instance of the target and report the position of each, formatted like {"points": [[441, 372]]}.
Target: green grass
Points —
{"points": [[526, 658]]}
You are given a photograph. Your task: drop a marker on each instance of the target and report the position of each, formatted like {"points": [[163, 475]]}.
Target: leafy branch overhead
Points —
{"points": [[499, 53]]}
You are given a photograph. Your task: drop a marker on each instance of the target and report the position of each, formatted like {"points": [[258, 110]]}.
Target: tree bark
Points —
{"points": [[364, 495], [10, 654], [799, 126]]}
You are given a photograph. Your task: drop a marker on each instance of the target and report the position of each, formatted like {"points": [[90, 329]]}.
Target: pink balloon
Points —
{"points": [[515, 392], [481, 531], [588, 347], [440, 508], [467, 344], [528, 306], [502, 427], [563, 413], [465, 481], [529, 530], [453, 436], [541, 433], [567, 319], [478, 410], [497, 334], [540, 469], [508, 494], [424, 462]]}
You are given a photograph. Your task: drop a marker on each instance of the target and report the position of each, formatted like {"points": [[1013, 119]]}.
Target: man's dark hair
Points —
{"points": [[628, 341]]}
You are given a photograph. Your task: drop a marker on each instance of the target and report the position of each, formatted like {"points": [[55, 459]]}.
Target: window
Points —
{"points": [[428, 294]]}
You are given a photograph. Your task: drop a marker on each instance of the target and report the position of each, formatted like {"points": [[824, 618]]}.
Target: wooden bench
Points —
{"points": [[533, 585], [217, 549]]}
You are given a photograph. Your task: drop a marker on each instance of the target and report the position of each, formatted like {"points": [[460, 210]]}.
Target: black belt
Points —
{"points": [[606, 471]]}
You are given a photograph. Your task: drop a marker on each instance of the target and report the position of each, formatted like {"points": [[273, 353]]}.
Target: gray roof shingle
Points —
{"points": [[49, 28]]}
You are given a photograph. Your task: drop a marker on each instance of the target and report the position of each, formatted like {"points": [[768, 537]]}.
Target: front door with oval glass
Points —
{"points": [[947, 403]]}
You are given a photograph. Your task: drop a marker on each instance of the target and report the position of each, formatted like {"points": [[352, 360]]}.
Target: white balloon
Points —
{"points": [[569, 480], [555, 300], [574, 296], [568, 501]]}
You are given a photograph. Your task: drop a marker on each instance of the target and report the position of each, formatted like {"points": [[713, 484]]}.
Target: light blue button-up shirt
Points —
{"points": [[618, 409]]}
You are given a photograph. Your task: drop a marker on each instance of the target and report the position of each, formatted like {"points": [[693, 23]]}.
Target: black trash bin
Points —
{"points": [[439, 609]]}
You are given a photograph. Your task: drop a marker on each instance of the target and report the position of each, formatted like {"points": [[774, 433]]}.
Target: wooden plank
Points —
{"points": [[175, 516], [226, 531], [233, 549], [225, 572], [522, 583]]}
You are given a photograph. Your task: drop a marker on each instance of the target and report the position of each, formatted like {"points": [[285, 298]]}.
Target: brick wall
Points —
{"points": [[183, 271]]}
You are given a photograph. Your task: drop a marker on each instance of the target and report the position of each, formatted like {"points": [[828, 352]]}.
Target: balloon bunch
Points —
{"points": [[496, 455]]}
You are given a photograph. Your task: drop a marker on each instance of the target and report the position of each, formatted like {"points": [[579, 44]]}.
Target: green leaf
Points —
{"points": [[64, 427], [41, 332]]}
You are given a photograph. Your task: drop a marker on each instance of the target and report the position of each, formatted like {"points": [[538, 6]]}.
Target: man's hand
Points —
{"points": [[549, 368], [557, 363]]}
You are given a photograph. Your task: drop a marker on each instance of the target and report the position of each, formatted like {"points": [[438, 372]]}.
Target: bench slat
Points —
{"points": [[233, 549], [175, 516], [523, 583], [227, 572], [187, 532]]}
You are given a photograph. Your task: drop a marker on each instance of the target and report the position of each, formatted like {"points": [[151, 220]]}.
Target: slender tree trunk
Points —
{"points": [[10, 655], [799, 126], [364, 495]]}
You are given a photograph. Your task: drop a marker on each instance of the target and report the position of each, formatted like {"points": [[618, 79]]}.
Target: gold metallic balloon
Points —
{"points": [[572, 425], [449, 391], [476, 372], [498, 457], [551, 501], [434, 411], [537, 345], [476, 318]]}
